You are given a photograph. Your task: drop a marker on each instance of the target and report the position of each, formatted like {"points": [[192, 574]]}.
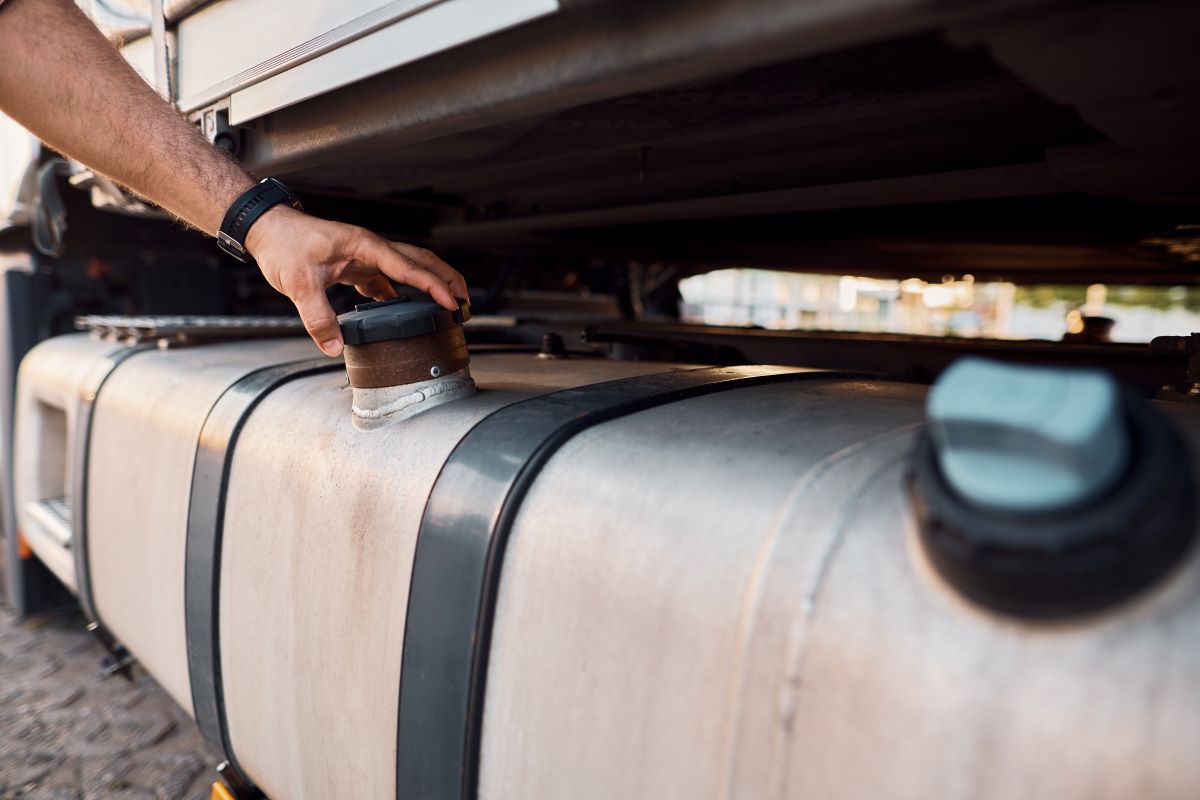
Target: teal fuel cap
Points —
{"points": [[1023, 439], [1046, 491]]}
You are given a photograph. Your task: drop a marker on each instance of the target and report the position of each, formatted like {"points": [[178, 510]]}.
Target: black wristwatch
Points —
{"points": [[245, 211]]}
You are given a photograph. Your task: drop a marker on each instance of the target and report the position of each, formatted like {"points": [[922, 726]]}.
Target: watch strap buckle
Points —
{"points": [[232, 246]]}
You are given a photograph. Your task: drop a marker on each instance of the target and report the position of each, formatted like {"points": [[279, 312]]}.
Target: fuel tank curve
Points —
{"points": [[590, 579]]}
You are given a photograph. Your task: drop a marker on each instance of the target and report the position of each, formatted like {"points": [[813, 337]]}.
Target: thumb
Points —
{"points": [[320, 321]]}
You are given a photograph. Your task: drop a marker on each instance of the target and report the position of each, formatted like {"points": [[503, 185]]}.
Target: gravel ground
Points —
{"points": [[68, 732]]}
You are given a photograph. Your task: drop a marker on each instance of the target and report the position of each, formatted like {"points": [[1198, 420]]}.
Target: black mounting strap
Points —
{"points": [[206, 520], [460, 550], [118, 662]]}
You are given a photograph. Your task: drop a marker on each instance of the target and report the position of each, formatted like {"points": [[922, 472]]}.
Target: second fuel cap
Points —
{"points": [[1023, 439], [1048, 491]]}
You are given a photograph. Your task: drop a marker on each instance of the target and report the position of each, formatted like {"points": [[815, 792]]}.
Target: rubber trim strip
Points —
{"points": [[82, 444], [205, 531], [460, 552]]}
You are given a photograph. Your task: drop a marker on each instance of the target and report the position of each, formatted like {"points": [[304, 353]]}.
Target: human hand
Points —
{"points": [[302, 256]]}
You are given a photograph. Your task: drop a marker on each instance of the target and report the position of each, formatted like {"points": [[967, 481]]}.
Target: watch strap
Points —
{"points": [[245, 211]]}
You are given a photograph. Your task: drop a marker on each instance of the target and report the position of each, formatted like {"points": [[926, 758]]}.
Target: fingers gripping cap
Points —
{"points": [[403, 317]]}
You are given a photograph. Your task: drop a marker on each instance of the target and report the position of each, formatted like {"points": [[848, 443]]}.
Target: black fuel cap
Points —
{"points": [[404, 317], [1093, 535], [404, 340]]}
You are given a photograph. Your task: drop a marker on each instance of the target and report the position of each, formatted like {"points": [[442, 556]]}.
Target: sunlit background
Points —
{"points": [[958, 306]]}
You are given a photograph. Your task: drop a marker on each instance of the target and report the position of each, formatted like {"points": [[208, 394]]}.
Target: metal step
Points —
{"points": [[174, 331], [54, 516]]}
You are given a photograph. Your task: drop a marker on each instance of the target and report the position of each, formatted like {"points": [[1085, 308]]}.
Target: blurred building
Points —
{"points": [[958, 306]]}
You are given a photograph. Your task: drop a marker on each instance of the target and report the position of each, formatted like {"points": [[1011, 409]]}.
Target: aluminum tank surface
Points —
{"points": [[142, 438], [724, 598], [591, 579], [334, 511]]}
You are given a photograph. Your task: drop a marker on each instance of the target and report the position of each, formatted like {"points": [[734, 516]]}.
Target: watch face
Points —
{"points": [[292, 200]]}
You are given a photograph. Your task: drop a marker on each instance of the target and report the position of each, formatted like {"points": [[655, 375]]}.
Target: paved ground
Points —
{"points": [[67, 732]]}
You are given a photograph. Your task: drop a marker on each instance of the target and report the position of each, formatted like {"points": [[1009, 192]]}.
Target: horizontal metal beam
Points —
{"points": [[900, 356], [1017, 180], [580, 55]]}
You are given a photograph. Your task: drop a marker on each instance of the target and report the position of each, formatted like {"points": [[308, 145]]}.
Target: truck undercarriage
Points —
{"points": [[635, 531]]}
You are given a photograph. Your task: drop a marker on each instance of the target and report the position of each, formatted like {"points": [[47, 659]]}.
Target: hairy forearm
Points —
{"points": [[64, 82], [61, 79]]}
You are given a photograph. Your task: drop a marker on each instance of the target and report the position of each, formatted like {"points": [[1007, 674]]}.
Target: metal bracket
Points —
{"points": [[1188, 391], [119, 661], [214, 124], [162, 55]]}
